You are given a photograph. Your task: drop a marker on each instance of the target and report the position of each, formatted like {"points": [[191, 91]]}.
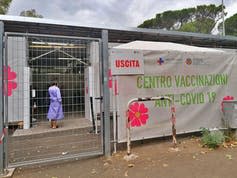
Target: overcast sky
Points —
{"points": [[109, 13]]}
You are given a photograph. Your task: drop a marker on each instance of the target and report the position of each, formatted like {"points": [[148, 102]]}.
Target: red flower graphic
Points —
{"points": [[137, 114], [9, 85]]}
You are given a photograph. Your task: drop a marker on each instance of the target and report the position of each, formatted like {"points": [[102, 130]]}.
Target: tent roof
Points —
{"points": [[164, 46]]}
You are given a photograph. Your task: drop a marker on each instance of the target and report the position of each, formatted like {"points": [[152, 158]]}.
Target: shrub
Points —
{"points": [[212, 139]]}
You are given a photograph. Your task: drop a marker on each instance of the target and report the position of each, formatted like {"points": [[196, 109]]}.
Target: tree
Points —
{"points": [[198, 26], [230, 25], [30, 13], [4, 5], [200, 19]]}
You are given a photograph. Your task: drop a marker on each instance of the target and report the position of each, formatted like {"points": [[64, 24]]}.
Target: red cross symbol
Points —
{"points": [[160, 61]]}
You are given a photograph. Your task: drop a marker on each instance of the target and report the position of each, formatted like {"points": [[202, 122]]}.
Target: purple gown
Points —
{"points": [[55, 109]]}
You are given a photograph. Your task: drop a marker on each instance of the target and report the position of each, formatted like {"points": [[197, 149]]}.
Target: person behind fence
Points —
{"points": [[55, 111]]}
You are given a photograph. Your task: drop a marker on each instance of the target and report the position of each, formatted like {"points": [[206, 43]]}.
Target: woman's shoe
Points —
{"points": [[54, 125], [51, 124]]}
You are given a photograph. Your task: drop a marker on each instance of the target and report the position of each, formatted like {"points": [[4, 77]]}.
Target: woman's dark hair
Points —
{"points": [[54, 82]]}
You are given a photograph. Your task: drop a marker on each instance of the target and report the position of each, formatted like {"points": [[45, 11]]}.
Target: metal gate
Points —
{"points": [[34, 61]]}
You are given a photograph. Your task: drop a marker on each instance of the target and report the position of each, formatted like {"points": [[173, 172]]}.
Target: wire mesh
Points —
{"points": [[60, 60], [38, 61]]}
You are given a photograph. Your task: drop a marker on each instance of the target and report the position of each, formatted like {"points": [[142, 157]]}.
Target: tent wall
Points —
{"points": [[19, 102]]}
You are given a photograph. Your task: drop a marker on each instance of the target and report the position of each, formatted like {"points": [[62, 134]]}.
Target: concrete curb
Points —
{"points": [[9, 174]]}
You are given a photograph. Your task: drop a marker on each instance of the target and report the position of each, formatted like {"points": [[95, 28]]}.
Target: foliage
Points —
{"points": [[30, 13], [198, 26], [212, 139], [200, 19], [230, 25], [4, 5]]}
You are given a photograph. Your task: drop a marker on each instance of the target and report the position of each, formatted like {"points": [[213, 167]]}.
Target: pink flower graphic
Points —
{"points": [[137, 114], [9, 85]]}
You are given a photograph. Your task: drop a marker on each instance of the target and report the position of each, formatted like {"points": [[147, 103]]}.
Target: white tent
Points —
{"points": [[196, 78], [164, 46]]}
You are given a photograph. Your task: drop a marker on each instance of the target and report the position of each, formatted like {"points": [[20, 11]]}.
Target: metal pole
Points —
{"points": [[128, 137], [1, 101], [5, 112], [223, 18], [150, 99], [114, 116], [106, 93]]}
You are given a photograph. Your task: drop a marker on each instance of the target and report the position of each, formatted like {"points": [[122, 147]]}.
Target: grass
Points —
{"points": [[212, 139]]}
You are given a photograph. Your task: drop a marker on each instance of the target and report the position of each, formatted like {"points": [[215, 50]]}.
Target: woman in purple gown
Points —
{"points": [[55, 112]]}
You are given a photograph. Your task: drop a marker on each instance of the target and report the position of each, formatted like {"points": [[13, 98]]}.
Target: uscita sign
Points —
{"points": [[126, 62]]}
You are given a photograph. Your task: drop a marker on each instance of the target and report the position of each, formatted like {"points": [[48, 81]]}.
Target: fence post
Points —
{"points": [[106, 94], [2, 166]]}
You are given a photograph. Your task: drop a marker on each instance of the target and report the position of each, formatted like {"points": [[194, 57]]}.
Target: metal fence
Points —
{"points": [[34, 61]]}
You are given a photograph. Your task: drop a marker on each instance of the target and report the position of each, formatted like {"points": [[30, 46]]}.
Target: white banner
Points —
{"points": [[197, 82]]}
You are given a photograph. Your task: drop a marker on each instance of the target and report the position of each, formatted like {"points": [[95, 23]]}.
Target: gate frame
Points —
{"points": [[106, 93], [104, 105], [2, 113]]}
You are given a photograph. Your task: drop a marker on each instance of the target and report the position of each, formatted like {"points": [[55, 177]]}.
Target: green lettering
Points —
{"points": [[187, 81], [139, 79], [177, 80], [182, 84], [206, 81], [192, 80], [162, 81], [182, 99], [146, 83], [169, 81], [200, 80]]}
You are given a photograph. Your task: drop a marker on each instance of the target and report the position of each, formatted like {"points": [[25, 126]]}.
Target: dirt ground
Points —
{"points": [[156, 159]]}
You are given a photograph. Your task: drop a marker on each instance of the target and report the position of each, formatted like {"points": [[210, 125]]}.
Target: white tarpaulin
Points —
{"points": [[196, 79]]}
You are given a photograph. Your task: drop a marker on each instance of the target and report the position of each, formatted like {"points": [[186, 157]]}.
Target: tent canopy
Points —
{"points": [[164, 46]]}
